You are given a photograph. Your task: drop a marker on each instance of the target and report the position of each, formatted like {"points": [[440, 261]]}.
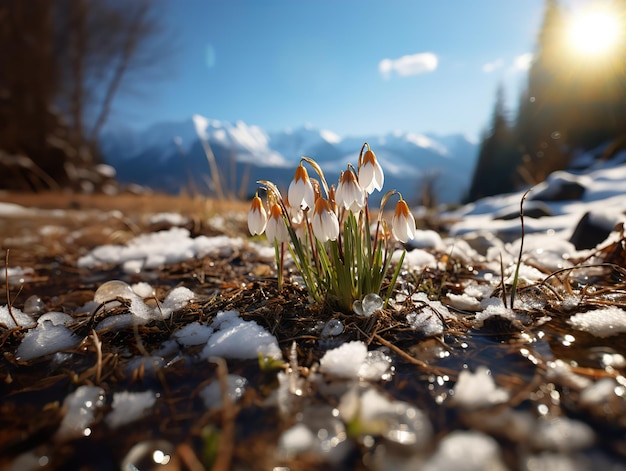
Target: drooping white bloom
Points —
{"points": [[276, 229], [257, 216], [324, 221], [300, 192], [295, 213], [349, 194], [371, 174], [403, 222]]}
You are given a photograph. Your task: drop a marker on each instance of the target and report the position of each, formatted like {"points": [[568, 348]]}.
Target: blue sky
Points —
{"points": [[353, 67]]}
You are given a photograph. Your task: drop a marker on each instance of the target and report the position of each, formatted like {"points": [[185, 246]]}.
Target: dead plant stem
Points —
{"points": [[6, 284], [227, 438], [98, 345]]}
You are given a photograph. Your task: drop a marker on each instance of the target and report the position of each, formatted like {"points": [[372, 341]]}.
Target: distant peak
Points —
{"points": [[330, 136]]}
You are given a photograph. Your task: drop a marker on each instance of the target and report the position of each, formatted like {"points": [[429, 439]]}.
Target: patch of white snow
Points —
{"points": [[128, 407], [478, 390], [603, 322], [236, 338], [44, 339]]}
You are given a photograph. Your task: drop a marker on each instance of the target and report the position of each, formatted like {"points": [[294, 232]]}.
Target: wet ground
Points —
{"points": [[562, 401]]}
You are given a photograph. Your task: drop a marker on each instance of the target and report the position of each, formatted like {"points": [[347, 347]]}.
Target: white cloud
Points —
{"points": [[404, 66], [491, 66], [520, 63], [523, 61]]}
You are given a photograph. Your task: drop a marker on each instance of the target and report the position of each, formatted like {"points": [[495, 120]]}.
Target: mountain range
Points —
{"points": [[170, 157]]}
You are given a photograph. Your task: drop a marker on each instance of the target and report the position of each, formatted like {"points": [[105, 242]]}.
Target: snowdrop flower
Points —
{"points": [[324, 222], [403, 222], [276, 229], [300, 192], [371, 174], [349, 194], [257, 216], [295, 214]]}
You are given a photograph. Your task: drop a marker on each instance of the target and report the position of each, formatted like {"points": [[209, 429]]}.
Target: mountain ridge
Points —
{"points": [[169, 156]]}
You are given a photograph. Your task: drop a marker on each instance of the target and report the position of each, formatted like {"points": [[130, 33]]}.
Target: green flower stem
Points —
{"points": [[394, 278], [280, 259]]}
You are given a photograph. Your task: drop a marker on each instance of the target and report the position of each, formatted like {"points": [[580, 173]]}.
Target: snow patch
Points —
{"points": [[193, 334], [128, 407], [154, 250], [601, 322], [344, 361], [80, 407], [236, 338], [23, 320], [212, 394], [478, 390], [44, 339]]}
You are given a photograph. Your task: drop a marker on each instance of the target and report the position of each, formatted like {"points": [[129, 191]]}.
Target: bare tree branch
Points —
{"points": [[126, 55]]}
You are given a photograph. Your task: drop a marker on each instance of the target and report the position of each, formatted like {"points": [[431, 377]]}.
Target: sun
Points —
{"points": [[594, 31]]}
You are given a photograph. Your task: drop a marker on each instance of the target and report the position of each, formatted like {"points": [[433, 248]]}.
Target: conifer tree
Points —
{"points": [[540, 128], [497, 159]]}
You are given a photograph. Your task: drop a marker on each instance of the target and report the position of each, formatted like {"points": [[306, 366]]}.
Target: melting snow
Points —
{"points": [[296, 439], [600, 392], [175, 300], [16, 275], [142, 313], [562, 434], [57, 318], [429, 318], [236, 338], [427, 239], [603, 322], [375, 413], [193, 334], [128, 407], [80, 407], [344, 361], [44, 339], [467, 451], [478, 390], [212, 394], [174, 219], [416, 259], [23, 320], [493, 307], [464, 302], [153, 250]]}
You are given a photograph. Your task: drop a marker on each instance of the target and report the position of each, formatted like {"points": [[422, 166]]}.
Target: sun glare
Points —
{"points": [[594, 31]]}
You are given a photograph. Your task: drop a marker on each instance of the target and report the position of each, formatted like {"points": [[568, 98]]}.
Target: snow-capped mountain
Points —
{"points": [[170, 156]]}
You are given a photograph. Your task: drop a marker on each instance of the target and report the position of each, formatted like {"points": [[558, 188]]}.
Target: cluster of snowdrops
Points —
{"points": [[341, 255]]}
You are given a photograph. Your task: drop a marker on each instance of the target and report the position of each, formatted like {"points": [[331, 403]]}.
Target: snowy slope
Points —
{"points": [[406, 157], [549, 208]]}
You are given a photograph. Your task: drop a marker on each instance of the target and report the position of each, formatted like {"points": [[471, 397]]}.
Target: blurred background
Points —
{"points": [[459, 100]]}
